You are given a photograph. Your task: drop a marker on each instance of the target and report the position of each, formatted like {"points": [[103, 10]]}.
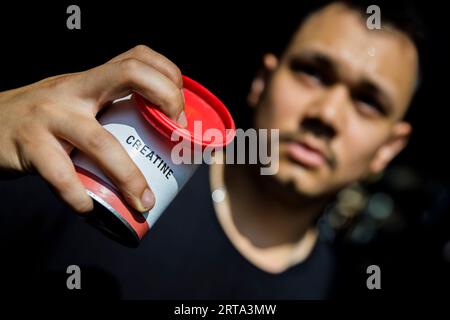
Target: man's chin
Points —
{"points": [[304, 182]]}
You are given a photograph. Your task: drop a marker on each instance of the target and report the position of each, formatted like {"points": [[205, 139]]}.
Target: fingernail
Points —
{"points": [[147, 199], [182, 121]]}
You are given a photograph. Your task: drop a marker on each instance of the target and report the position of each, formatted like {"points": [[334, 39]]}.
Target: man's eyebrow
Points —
{"points": [[318, 58], [366, 84], [378, 93]]}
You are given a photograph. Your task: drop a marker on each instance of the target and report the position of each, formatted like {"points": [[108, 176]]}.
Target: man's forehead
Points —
{"points": [[386, 55]]}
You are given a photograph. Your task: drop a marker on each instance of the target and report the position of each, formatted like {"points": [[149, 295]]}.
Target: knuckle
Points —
{"points": [[42, 110], [63, 180], [177, 76], [98, 139], [27, 136], [172, 69], [176, 72], [46, 109], [132, 180], [129, 68], [140, 49], [38, 110], [173, 99], [84, 206]]}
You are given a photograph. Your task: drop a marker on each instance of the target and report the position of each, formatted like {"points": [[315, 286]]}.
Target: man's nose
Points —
{"points": [[326, 115]]}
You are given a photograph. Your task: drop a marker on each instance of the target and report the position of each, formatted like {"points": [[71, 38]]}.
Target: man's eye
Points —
{"points": [[307, 70], [369, 105]]}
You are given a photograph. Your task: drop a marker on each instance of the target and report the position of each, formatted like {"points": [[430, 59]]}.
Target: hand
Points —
{"points": [[41, 123]]}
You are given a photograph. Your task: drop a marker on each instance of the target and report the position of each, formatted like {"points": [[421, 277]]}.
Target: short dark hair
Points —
{"points": [[280, 23], [403, 15]]}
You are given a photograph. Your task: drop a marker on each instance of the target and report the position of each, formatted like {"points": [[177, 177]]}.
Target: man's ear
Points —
{"points": [[270, 62], [391, 148]]}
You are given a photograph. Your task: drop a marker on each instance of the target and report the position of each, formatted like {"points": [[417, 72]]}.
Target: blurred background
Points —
{"points": [[399, 221]]}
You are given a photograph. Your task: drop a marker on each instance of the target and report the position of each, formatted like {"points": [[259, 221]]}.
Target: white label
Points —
{"points": [[149, 151]]}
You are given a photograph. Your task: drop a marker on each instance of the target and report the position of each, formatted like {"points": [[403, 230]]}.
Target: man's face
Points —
{"points": [[338, 95]]}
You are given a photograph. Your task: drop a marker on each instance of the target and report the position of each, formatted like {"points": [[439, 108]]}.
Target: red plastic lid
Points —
{"points": [[200, 105]]}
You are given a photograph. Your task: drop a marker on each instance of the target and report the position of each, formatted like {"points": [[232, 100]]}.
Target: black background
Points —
{"points": [[220, 44]]}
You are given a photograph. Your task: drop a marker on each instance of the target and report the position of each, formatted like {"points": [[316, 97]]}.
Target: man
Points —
{"points": [[338, 95]]}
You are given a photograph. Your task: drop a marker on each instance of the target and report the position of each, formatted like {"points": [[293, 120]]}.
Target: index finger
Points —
{"points": [[155, 60]]}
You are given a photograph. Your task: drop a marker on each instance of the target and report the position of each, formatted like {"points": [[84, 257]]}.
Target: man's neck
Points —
{"points": [[269, 224]]}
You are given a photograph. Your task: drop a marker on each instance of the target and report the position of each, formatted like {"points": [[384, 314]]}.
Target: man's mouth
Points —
{"points": [[305, 153]]}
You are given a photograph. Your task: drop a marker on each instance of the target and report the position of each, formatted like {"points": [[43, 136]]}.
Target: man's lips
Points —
{"points": [[305, 154]]}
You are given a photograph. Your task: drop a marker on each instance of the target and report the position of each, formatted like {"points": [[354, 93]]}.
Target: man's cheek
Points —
{"points": [[362, 141], [277, 114], [355, 162], [286, 98]]}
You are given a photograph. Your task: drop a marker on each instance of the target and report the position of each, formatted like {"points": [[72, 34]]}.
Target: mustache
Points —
{"points": [[325, 148]]}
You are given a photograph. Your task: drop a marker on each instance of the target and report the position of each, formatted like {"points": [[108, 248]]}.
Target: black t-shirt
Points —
{"points": [[185, 255]]}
